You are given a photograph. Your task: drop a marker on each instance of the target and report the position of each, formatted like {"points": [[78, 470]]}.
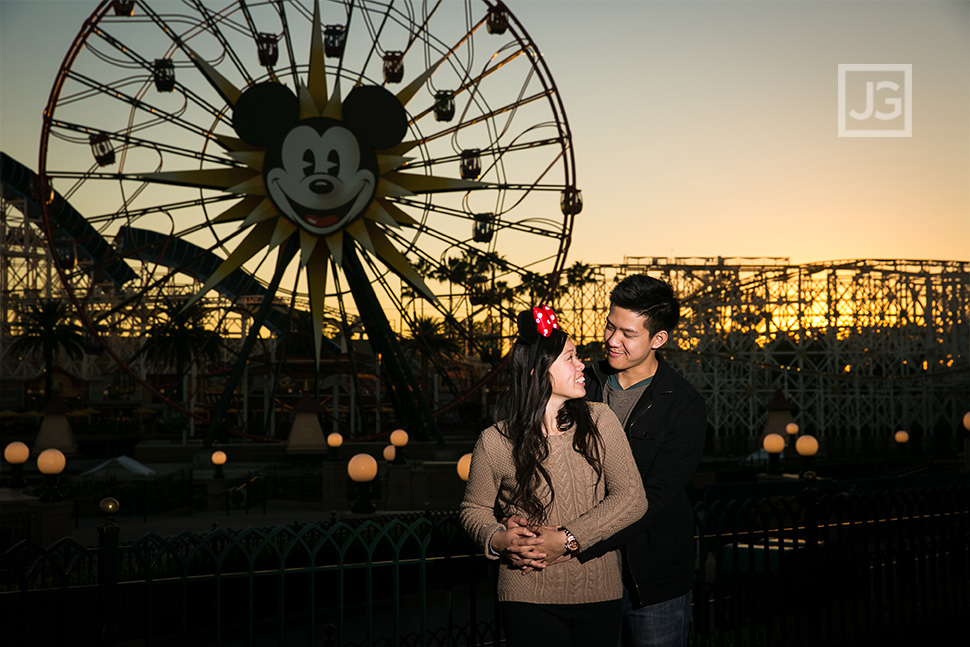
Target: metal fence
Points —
{"points": [[806, 568]]}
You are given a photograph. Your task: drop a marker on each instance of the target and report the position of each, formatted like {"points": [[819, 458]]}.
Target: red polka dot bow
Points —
{"points": [[545, 320]]}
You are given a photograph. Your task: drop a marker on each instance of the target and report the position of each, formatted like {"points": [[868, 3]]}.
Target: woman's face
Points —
{"points": [[566, 374]]}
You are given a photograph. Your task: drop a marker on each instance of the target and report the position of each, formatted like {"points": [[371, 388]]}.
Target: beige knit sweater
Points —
{"points": [[591, 512]]}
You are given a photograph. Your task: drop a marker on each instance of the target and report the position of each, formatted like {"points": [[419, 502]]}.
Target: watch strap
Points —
{"points": [[572, 545]]}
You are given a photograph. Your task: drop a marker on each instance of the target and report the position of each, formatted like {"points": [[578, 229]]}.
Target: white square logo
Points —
{"points": [[875, 100]]}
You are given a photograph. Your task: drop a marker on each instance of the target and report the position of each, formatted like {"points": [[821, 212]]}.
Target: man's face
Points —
{"points": [[629, 345]]}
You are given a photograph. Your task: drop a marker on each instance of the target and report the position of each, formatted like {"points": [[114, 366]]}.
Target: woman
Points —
{"points": [[566, 466]]}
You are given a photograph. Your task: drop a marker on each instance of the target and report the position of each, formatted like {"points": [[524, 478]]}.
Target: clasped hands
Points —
{"points": [[529, 548]]}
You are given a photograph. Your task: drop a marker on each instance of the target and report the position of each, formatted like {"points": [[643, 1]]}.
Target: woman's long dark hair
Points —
{"points": [[522, 408]]}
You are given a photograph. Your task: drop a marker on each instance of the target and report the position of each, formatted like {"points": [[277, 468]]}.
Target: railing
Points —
{"points": [[877, 567]]}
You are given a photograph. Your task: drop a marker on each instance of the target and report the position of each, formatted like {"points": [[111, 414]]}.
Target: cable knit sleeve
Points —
{"points": [[625, 501], [484, 480]]}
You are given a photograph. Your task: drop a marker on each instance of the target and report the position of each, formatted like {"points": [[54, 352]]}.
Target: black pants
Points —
{"points": [[562, 625]]}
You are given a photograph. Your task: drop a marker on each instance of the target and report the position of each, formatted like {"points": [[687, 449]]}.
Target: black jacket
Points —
{"points": [[666, 429]]}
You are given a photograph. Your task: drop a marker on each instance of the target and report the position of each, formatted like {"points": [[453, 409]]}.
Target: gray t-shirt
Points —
{"points": [[621, 400]]}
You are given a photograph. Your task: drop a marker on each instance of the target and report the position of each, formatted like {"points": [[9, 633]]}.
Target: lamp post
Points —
{"points": [[807, 447], [774, 445], [362, 469], [51, 463], [108, 567], [16, 453], [334, 441], [966, 441], [389, 453], [792, 430], [464, 465], [218, 459], [399, 438]]}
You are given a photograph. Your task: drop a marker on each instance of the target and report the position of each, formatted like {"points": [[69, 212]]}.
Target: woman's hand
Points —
{"points": [[526, 547], [554, 543], [524, 550], [519, 544]]}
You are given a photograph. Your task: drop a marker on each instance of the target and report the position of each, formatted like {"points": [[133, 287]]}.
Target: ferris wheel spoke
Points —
{"points": [[213, 28], [497, 152], [115, 94], [126, 140], [471, 85], [490, 259], [484, 117], [524, 226], [288, 40], [132, 214]]}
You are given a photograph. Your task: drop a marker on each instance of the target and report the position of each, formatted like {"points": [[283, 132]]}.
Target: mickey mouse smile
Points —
{"points": [[323, 219]]}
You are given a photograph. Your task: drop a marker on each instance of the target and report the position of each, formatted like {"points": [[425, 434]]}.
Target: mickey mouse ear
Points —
{"points": [[264, 113], [527, 327], [376, 116]]}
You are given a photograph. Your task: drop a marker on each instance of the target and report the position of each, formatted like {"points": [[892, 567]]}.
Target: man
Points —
{"points": [[665, 421]]}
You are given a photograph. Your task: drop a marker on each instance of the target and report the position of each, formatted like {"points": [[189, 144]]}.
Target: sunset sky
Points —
{"points": [[700, 128]]}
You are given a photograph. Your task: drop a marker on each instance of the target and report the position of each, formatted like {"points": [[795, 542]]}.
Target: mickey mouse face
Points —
{"points": [[320, 173], [319, 176]]}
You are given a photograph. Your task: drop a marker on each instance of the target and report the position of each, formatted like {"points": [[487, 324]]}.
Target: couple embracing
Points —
{"points": [[581, 487]]}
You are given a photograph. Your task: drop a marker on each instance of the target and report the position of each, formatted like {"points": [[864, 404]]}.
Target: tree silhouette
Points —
{"points": [[180, 339], [47, 328], [428, 340]]}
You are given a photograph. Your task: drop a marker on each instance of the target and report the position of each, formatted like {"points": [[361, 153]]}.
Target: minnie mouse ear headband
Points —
{"points": [[540, 321]]}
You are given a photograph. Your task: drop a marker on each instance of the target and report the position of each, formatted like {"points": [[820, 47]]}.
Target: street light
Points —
{"points": [[901, 437], [774, 444], [807, 447], [51, 463], [399, 438], [16, 453], [334, 441], [218, 459], [362, 469], [792, 430], [464, 464], [389, 453]]}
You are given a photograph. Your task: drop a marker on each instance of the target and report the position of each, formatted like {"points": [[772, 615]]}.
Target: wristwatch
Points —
{"points": [[571, 544]]}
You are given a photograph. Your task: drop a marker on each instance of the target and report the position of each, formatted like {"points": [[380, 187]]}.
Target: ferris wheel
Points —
{"points": [[362, 166]]}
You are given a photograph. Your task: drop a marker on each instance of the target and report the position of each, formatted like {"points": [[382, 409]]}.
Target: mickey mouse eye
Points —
{"points": [[334, 159], [309, 163]]}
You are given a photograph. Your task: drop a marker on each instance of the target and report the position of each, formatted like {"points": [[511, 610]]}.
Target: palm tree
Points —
{"points": [[47, 328], [181, 338], [533, 286], [579, 274], [428, 339]]}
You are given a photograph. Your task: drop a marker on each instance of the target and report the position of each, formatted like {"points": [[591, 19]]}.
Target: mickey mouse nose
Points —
{"points": [[321, 186]]}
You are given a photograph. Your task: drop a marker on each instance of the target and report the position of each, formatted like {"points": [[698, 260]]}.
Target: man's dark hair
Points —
{"points": [[650, 297]]}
